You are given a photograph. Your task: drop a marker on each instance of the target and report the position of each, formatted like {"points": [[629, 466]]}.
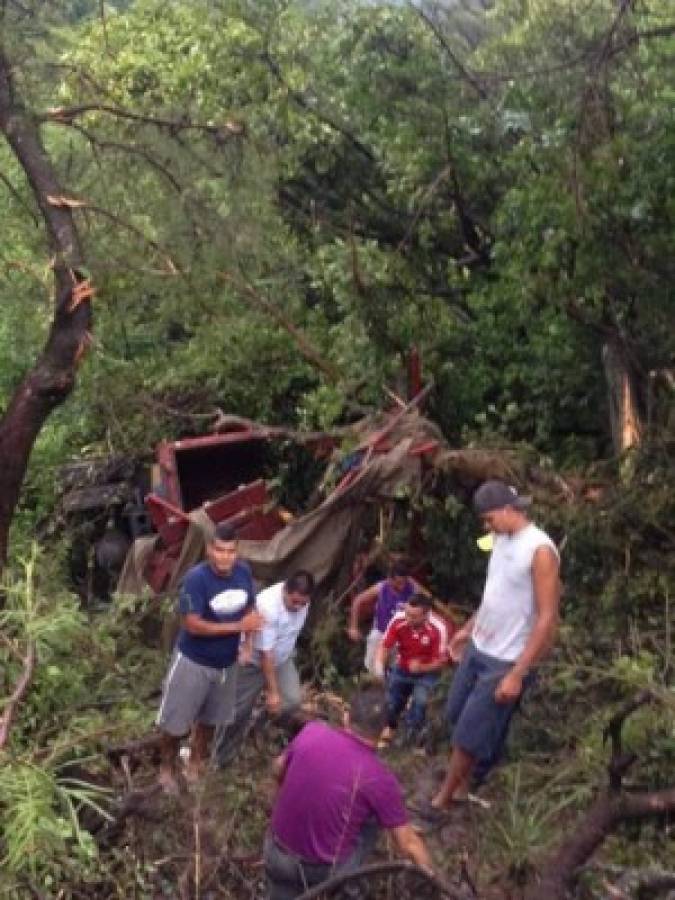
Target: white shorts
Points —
{"points": [[373, 641]]}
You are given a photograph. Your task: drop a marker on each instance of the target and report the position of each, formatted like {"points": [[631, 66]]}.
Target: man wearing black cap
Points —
{"points": [[512, 630]]}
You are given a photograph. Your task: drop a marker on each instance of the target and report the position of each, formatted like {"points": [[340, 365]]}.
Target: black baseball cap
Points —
{"points": [[496, 495]]}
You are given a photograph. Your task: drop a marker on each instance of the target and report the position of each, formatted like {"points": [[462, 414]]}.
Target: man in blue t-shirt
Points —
{"points": [[216, 607]]}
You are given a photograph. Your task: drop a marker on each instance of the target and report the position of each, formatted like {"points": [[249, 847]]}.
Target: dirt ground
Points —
{"points": [[207, 842]]}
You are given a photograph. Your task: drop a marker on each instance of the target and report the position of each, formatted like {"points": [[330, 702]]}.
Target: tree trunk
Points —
{"points": [[625, 416], [52, 378]]}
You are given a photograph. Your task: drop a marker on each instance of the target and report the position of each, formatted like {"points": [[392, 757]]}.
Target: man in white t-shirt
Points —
{"points": [[512, 630], [271, 667]]}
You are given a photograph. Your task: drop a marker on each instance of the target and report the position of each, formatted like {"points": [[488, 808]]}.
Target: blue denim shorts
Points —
{"points": [[479, 723]]}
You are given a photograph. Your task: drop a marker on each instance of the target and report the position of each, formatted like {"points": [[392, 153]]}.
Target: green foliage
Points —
{"points": [[48, 776], [38, 806], [375, 198], [528, 822], [561, 751], [618, 567], [41, 829], [507, 216]]}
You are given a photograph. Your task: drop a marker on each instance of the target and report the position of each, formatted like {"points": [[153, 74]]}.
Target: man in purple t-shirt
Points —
{"points": [[389, 597], [334, 796]]}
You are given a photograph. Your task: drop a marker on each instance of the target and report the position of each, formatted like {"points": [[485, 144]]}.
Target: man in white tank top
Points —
{"points": [[512, 630]]}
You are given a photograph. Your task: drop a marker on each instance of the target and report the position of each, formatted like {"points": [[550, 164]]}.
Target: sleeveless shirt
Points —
{"points": [[390, 601], [507, 612]]}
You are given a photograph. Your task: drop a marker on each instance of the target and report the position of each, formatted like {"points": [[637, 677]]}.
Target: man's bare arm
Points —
{"points": [[246, 648], [361, 600], [546, 583], [195, 624], [279, 764], [419, 588], [419, 668], [380, 660], [272, 699], [411, 845], [459, 639]]}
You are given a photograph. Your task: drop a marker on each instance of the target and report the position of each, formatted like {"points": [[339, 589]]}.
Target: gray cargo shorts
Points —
{"points": [[193, 693]]}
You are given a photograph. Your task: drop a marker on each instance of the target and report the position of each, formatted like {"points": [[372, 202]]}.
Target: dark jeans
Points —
{"points": [[400, 685], [288, 876]]}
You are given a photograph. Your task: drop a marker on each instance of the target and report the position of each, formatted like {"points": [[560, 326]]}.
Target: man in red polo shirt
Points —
{"points": [[420, 638]]}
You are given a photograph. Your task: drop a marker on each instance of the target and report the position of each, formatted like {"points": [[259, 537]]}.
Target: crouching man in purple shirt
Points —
{"points": [[334, 796]]}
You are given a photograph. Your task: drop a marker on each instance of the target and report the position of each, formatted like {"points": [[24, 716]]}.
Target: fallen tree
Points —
{"points": [[611, 808]]}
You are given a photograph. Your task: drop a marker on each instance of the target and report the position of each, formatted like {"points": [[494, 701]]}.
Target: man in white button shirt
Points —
{"points": [[284, 607], [510, 633]]}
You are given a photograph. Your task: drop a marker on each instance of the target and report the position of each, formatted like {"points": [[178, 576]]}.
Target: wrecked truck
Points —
{"points": [[108, 504], [354, 507], [369, 475]]}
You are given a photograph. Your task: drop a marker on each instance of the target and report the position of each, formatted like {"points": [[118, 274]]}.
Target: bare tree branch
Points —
{"points": [[19, 199], [620, 762], [131, 150], [310, 353], [606, 813], [311, 107], [609, 809], [63, 115], [365, 873], [104, 24], [84, 206], [426, 199], [17, 694], [583, 58], [467, 76]]}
